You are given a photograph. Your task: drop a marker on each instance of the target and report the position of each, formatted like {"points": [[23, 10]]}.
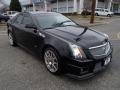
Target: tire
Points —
{"points": [[52, 61], [96, 14], [11, 39], [109, 15]]}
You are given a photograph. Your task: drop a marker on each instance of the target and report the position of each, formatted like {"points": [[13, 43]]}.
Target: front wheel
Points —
{"points": [[109, 15], [96, 14], [52, 61]]}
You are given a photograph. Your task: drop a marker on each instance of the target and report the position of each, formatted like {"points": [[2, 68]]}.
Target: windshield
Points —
{"points": [[47, 21]]}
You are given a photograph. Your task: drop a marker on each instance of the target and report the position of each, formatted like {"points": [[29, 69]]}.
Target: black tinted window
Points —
{"points": [[106, 10], [27, 20], [19, 19]]}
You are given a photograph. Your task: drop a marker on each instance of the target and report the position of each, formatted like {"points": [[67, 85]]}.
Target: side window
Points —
{"points": [[98, 9], [13, 12], [106, 10], [27, 20], [19, 19], [102, 10]]}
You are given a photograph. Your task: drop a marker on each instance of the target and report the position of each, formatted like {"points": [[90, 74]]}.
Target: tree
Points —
{"points": [[15, 5]]}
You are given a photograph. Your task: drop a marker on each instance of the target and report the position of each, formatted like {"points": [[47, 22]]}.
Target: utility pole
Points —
{"points": [[93, 11]]}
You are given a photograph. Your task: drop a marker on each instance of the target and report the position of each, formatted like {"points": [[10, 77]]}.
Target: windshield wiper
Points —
{"points": [[85, 29], [60, 24], [64, 22]]}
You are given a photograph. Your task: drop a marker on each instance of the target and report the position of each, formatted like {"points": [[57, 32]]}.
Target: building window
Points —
{"points": [[101, 0]]}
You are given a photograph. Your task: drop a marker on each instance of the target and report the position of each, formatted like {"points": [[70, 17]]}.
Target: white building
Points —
{"points": [[70, 6]]}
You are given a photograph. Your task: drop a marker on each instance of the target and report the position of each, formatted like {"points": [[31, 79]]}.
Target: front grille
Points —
{"points": [[100, 50]]}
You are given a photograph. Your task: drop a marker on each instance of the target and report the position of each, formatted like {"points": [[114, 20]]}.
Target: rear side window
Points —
{"points": [[13, 12], [19, 19], [102, 10], [106, 10]]}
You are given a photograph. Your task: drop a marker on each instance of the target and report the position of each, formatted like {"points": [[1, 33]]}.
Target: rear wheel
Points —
{"points": [[109, 15], [52, 61], [11, 39]]}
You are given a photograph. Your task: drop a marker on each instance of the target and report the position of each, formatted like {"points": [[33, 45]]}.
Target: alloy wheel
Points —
{"points": [[10, 37], [51, 61]]}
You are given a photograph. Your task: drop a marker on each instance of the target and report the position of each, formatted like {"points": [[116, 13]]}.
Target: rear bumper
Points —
{"points": [[86, 69]]}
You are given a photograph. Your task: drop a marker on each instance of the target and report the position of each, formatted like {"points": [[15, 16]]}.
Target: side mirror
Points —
{"points": [[30, 26]]}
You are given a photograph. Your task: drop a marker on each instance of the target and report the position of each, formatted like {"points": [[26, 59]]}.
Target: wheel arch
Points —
{"points": [[49, 46]]}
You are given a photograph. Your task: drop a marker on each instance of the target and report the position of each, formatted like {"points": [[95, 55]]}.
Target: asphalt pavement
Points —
{"points": [[21, 70]]}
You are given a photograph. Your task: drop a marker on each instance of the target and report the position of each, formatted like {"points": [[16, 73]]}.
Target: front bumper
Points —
{"points": [[86, 68]]}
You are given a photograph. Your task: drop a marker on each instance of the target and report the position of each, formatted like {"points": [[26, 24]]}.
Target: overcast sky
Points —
{"points": [[8, 1]]}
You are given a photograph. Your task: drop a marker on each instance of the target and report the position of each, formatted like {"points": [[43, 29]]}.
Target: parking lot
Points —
{"points": [[21, 70]]}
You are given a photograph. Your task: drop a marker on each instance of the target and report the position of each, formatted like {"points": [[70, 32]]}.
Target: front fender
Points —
{"points": [[59, 44]]}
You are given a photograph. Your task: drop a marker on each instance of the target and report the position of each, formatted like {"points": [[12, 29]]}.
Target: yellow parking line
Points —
{"points": [[118, 35]]}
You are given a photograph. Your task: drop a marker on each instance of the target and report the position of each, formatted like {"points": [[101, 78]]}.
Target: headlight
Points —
{"points": [[77, 52]]}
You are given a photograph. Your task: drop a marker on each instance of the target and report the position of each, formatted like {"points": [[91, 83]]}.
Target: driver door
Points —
{"points": [[31, 38]]}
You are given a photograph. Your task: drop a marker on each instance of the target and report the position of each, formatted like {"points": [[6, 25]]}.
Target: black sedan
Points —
{"points": [[4, 18], [65, 46]]}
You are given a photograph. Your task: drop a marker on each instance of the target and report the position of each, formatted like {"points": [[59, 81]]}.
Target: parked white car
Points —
{"points": [[11, 14], [103, 12]]}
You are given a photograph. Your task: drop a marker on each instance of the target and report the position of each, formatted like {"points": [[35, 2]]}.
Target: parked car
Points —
{"points": [[103, 12], [63, 45], [4, 18], [11, 14]]}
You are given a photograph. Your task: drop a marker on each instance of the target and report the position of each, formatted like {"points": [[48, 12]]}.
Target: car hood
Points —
{"points": [[75, 35]]}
